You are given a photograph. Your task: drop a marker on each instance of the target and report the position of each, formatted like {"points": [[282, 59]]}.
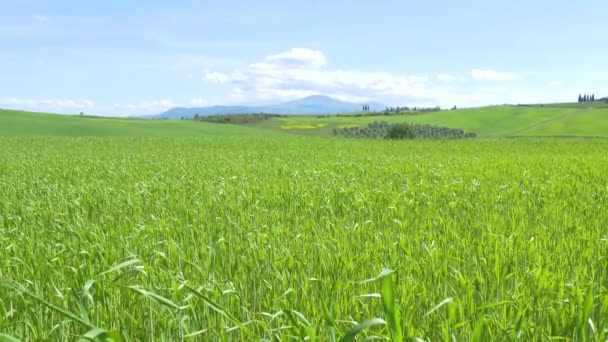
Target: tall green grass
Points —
{"points": [[292, 238]]}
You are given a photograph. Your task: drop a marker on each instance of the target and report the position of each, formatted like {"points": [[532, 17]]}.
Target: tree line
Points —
{"points": [[366, 108], [586, 98], [590, 98]]}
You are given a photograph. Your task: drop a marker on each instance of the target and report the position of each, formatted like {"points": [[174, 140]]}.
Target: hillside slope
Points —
{"points": [[495, 121], [19, 123], [499, 121]]}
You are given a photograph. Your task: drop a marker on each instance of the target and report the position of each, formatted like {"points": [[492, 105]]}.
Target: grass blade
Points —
{"points": [[443, 302], [8, 338], [217, 308], [160, 299], [50, 305], [350, 335], [119, 266]]}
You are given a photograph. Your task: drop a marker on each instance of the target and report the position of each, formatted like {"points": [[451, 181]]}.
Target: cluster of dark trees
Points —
{"points": [[375, 130], [398, 109], [385, 130], [586, 98], [430, 109], [438, 132], [413, 109], [390, 111], [365, 114]]}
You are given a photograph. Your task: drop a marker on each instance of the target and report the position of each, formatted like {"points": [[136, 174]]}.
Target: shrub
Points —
{"points": [[401, 131]]}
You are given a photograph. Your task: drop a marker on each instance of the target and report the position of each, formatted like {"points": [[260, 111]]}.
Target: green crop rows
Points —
{"points": [[274, 238]]}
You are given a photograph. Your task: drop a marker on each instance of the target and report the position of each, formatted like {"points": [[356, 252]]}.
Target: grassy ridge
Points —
{"points": [[224, 238], [499, 121], [18, 123], [584, 120]]}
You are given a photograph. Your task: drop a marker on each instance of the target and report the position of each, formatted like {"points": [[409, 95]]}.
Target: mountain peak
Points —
{"points": [[311, 105], [318, 97]]}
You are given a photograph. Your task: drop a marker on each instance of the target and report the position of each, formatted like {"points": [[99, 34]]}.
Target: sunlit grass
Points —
{"points": [[283, 238], [303, 126]]}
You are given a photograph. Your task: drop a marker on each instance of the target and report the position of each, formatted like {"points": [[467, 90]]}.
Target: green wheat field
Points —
{"points": [[188, 231]]}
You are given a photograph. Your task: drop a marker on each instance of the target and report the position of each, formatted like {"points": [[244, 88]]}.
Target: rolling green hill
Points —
{"points": [[564, 120], [19, 123], [497, 121]]}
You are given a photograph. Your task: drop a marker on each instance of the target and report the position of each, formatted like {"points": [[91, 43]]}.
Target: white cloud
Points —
{"points": [[298, 58], [301, 72], [418, 79], [449, 78], [217, 77], [446, 78], [489, 75]]}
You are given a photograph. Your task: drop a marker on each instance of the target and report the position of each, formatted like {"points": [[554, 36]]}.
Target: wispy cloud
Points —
{"points": [[74, 106], [301, 72], [449, 78], [298, 58], [217, 77], [51, 105], [490, 75]]}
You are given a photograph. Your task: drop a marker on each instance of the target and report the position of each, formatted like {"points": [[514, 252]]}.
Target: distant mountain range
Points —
{"points": [[316, 104]]}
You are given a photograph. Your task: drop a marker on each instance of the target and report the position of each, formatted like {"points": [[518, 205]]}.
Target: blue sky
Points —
{"points": [[134, 57]]}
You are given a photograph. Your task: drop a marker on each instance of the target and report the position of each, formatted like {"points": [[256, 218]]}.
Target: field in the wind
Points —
{"points": [[237, 234]]}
